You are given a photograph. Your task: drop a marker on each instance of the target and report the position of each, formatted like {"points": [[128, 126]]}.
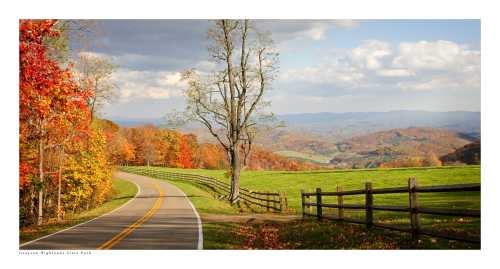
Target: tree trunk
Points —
{"points": [[61, 158], [93, 102], [32, 204], [40, 193], [235, 176]]}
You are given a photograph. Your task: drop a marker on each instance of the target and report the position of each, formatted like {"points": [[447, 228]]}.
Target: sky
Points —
{"points": [[324, 66]]}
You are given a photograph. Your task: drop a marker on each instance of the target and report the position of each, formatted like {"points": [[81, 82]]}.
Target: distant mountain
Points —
{"points": [[469, 154], [373, 149], [345, 125], [322, 137], [124, 122]]}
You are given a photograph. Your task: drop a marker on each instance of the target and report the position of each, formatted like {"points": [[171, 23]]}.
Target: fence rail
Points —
{"points": [[412, 208], [270, 201]]}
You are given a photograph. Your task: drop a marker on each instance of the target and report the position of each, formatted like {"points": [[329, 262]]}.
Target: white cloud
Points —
{"points": [[287, 30], [134, 84], [92, 54], [205, 66], [316, 32], [438, 55], [395, 73], [346, 23], [370, 54], [419, 66]]}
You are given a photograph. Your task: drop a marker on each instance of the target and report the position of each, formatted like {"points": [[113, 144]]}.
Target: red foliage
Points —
{"points": [[185, 156], [51, 105]]}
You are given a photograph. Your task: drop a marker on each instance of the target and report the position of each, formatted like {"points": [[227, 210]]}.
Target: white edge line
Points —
{"points": [[105, 214], [198, 219], [200, 226]]}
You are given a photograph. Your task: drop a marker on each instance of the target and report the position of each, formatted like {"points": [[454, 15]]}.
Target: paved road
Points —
{"points": [[159, 217]]}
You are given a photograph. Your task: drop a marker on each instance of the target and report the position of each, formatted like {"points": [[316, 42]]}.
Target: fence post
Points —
{"points": [[319, 210], [309, 208], [414, 217], [282, 202], [369, 204], [340, 203], [267, 202], [285, 202], [303, 198]]}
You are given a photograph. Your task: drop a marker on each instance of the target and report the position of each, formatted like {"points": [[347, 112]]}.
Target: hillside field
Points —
{"points": [[314, 158]]}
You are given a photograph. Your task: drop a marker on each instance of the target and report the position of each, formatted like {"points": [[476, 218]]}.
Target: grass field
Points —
{"points": [[304, 156], [293, 182], [122, 192]]}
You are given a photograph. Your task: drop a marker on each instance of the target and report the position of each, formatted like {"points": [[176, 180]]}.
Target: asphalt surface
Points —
{"points": [[159, 217]]}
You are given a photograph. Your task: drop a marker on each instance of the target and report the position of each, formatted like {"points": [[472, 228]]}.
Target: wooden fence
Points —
{"points": [[270, 201], [413, 207]]}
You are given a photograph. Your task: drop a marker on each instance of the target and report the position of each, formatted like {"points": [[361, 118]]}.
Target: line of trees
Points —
{"points": [[151, 145], [63, 165]]}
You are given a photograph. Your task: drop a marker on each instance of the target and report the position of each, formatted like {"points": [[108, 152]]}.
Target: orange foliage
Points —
{"points": [[261, 159], [163, 147], [185, 154], [417, 161]]}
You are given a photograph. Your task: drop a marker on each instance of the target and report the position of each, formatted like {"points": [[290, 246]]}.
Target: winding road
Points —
{"points": [[160, 216]]}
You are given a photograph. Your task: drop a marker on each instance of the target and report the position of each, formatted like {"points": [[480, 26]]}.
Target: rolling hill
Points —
{"points": [[359, 138], [373, 149], [346, 125]]}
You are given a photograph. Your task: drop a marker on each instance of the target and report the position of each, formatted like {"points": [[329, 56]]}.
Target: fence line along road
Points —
{"points": [[270, 201], [413, 207]]}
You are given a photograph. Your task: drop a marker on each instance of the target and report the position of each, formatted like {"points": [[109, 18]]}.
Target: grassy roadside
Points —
{"points": [[123, 191], [204, 200]]}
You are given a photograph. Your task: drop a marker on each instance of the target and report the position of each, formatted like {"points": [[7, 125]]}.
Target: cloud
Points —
{"points": [[346, 23], [92, 54], [315, 32], [370, 54], [134, 84], [379, 66], [438, 55], [287, 30], [395, 73]]}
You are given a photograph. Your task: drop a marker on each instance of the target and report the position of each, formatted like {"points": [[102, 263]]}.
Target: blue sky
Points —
{"points": [[335, 66]]}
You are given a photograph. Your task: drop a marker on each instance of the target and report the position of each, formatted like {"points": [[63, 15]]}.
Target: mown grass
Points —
{"points": [[293, 182], [304, 156], [204, 200], [122, 192]]}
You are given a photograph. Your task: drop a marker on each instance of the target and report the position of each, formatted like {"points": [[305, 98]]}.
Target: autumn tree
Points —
{"points": [[229, 100], [51, 104], [211, 156], [94, 71], [185, 154], [54, 118], [431, 159]]}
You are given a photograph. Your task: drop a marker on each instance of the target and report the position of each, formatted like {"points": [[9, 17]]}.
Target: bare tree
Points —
{"points": [[94, 71], [229, 101]]}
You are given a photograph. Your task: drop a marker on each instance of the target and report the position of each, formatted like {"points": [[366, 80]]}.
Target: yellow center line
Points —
{"points": [[125, 232]]}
